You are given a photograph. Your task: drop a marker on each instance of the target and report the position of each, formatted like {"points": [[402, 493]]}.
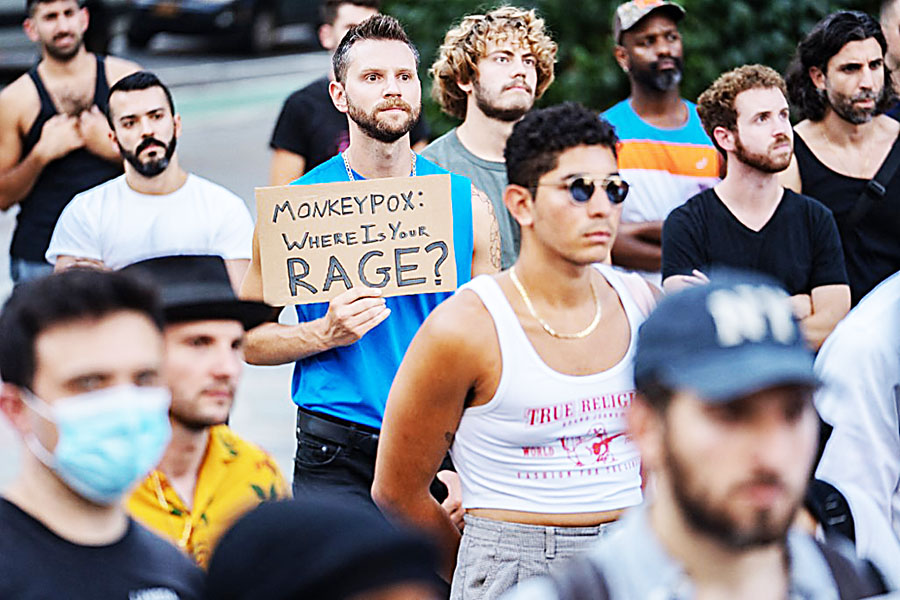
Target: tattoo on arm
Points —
{"points": [[494, 240]]}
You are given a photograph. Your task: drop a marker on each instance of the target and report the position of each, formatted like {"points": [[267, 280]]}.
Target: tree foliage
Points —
{"points": [[718, 36]]}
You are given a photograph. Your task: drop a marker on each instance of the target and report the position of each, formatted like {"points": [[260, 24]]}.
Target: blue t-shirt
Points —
{"points": [[352, 382]]}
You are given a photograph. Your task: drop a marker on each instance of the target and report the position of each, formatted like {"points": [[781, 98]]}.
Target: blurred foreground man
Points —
{"points": [[329, 548], [857, 487], [81, 356], [727, 431], [208, 476]]}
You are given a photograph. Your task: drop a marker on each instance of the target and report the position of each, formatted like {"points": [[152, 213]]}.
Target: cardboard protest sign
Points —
{"points": [[319, 240]]}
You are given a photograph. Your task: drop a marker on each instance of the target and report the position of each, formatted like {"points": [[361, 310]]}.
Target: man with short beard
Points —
{"points": [[665, 155], [727, 433], [208, 476], [309, 129], [53, 137], [840, 86], [347, 351], [749, 220], [156, 208], [490, 69]]}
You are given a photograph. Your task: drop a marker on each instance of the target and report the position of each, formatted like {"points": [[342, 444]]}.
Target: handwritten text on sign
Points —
{"points": [[317, 241]]}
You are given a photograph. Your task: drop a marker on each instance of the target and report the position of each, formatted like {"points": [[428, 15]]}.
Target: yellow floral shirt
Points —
{"points": [[235, 476]]}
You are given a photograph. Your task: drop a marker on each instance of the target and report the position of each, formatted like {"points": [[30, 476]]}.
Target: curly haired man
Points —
{"points": [[490, 70]]}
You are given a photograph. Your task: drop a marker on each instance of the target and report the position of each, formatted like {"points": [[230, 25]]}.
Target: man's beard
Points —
{"points": [[193, 422], [154, 167], [713, 520], [384, 131], [488, 104], [656, 79], [843, 104], [763, 162], [64, 55]]}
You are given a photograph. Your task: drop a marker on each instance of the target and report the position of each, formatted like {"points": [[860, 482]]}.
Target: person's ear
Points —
{"points": [[30, 29], [725, 138], [817, 77], [338, 96], [326, 33], [519, 202], [621, 56], [12, 406]]}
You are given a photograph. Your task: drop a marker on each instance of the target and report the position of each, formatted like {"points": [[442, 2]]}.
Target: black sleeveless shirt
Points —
{"points": [[872, 246], [60, 180]]}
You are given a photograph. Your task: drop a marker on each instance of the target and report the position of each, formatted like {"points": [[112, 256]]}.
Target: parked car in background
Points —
{"points": [[252, 23]]}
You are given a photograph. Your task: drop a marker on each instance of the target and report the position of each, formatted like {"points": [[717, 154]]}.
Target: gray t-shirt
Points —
{"points": [[489, 177]]}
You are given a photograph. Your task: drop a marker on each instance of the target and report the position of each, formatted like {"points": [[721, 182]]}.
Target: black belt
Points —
{"points": [[338, 431]]}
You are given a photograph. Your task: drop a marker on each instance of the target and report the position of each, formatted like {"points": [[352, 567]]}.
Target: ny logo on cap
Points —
{"points": [[746, 313]]}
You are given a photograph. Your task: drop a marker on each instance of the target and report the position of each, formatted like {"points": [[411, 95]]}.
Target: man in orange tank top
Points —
{"points": [[525, 376]]}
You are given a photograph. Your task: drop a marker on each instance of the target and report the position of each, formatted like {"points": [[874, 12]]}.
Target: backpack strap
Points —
{"points": [[876, 188], [581, 579], [855, 579]]}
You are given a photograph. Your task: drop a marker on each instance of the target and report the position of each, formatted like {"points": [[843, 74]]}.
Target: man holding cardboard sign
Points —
{"points": [[347, 351]]}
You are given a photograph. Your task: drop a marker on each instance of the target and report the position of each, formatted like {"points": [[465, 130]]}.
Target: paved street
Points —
{"points": [[228, 106]]}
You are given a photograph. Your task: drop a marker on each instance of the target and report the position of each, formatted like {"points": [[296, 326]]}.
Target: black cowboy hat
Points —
{"points": [[197, 288]]}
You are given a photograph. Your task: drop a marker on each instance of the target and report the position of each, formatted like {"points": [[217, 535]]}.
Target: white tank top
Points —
{"points": [[549, 442]]}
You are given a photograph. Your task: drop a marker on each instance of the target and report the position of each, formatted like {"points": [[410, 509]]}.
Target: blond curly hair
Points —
{"points": [[464, 45]]}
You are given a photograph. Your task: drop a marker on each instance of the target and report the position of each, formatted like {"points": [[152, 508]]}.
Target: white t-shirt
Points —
{"points": [[860, 367], [114, 224]]}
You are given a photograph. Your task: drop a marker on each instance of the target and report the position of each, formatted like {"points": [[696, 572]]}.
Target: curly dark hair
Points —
{"points": [[537, 140], [376, 27], [824, 41]]}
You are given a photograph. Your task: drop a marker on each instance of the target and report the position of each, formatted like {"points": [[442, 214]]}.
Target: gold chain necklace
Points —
{"points": [[563, 336], [412, 169]]}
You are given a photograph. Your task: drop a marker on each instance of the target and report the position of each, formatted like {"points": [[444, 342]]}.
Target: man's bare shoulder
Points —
{"points": [[459, 322], [887, 127], [20, 97], [117, 68], [805, 127]]}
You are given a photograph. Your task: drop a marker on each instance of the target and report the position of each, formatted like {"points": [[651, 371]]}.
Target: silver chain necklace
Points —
{"points": [[412, 170]]}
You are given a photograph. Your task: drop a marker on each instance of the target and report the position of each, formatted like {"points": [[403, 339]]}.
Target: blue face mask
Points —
{"points": [[108, 439]]}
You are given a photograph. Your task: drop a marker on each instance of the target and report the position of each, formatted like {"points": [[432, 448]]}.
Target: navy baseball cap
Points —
{"points": [[730, 338]]}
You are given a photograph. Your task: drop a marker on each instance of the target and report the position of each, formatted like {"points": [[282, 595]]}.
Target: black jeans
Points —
{"points": [[337, 457], [333, 457]]}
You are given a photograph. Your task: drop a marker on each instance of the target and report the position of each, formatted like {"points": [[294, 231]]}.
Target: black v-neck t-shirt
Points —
{"points": [[799, 244]]}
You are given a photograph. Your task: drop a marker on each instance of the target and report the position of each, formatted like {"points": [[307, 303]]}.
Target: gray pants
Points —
{"points": [[495, 556]]}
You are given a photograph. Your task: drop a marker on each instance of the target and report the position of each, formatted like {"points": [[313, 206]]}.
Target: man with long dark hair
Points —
{"points": [[840, 85]]}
